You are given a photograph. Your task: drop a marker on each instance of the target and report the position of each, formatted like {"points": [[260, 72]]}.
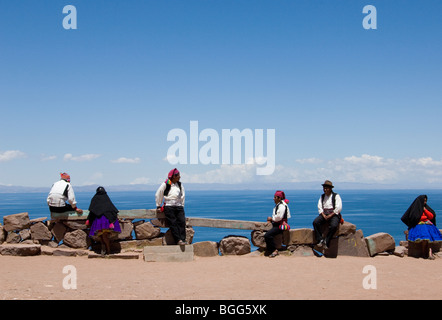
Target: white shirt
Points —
{"points": [[59, 194], [174, 198], [279, 215], [328, 204]]}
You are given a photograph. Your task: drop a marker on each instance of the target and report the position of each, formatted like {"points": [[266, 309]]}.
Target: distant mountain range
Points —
{"points": [[218, 186]]}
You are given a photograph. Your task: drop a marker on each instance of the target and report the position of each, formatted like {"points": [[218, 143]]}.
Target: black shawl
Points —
{"points": [[414, 213], [100, 205]]}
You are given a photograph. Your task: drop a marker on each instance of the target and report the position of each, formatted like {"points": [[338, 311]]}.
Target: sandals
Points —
{"points": [[274, 254]]}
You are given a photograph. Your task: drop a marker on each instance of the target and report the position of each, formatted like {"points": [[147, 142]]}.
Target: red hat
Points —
{"points": [[172, 173], [65, 176]]}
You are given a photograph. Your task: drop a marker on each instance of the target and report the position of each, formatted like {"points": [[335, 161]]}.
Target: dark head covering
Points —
{"points": [[414, 213], [101, 204]]}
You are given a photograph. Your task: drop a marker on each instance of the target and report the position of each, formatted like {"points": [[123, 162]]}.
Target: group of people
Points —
{"points": [[170, 197]]}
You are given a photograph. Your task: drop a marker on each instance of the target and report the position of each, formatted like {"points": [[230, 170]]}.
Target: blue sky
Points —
{"points": [[347, 104]]}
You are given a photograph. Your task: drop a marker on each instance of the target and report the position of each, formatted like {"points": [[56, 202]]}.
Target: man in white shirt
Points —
{"points": [[329, 208], [172, 191], [61, 192]]}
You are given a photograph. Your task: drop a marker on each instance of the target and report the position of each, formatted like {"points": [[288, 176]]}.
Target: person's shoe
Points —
{"points": [[274, 254], [320, 244], [181, 243]]}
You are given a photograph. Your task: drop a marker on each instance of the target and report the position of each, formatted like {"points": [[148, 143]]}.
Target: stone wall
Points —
{"points": [[21, 236]]}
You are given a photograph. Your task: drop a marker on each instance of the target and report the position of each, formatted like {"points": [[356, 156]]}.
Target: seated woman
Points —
{"points": [[281, 213], [421, 222], [103, 219]]}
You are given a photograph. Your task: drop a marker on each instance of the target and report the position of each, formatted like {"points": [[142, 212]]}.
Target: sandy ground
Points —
{"points": [[220, 278]]}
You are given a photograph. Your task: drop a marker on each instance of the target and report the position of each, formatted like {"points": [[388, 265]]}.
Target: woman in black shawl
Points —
{"points": [[421, 222], [103, 218]]}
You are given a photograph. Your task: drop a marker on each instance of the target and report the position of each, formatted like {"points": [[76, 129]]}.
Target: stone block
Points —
{"points": [[168, 253], [16, 221], [206, 249], [39, 231], [20, 249], [353, 244], [301, 236], [76, 239], [380, 242], [146, 231]]}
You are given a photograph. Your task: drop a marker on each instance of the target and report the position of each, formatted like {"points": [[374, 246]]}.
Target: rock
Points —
{"points": [[127, 228], [301, 236], [168, 253], [301, 250], [160, 222], [59, 230], [146, 231], [380, 242], [169, 240], [2, 234], [20, 249], [353, 244], [206, 249], [40, 232], [234, 245], [76, 239], [258, 240], [346, 228], [13, 238], [25, 234], [400, 251], [17, 221], [76, 225]]}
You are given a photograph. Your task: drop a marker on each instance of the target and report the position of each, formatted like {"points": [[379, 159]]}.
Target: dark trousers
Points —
{"points": [[333, 224], [270, 236], [177, 221]]}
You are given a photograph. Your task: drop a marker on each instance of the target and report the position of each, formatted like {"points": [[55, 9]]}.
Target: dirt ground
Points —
{"points": [[220, 278]]}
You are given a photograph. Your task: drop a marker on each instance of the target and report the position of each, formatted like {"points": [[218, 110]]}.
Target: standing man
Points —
{"points": [[329, 208], [172, 191], [61, 192]]}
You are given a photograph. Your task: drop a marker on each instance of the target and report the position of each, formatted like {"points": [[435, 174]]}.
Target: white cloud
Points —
{"points": [[48, 158], [230, 174], [363, 169], [11, 155], [84, 157], [126, 160]]}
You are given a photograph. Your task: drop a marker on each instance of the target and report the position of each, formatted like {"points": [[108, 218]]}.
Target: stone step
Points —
{"points": [[172, 253]]}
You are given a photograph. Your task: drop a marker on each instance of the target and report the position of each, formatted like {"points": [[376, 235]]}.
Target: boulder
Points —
{"points": [[59, 230], [16, 221], [400, 251], [20, 249], [2, 234], [25, 234], [206, 249], [146, 231], [13, 237], [301, 236], [353, 244], [380, 242], [301, 250], [234, 245], [76, 239], [169, 240], [39, 231], [127, 228], [258, 240]]}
